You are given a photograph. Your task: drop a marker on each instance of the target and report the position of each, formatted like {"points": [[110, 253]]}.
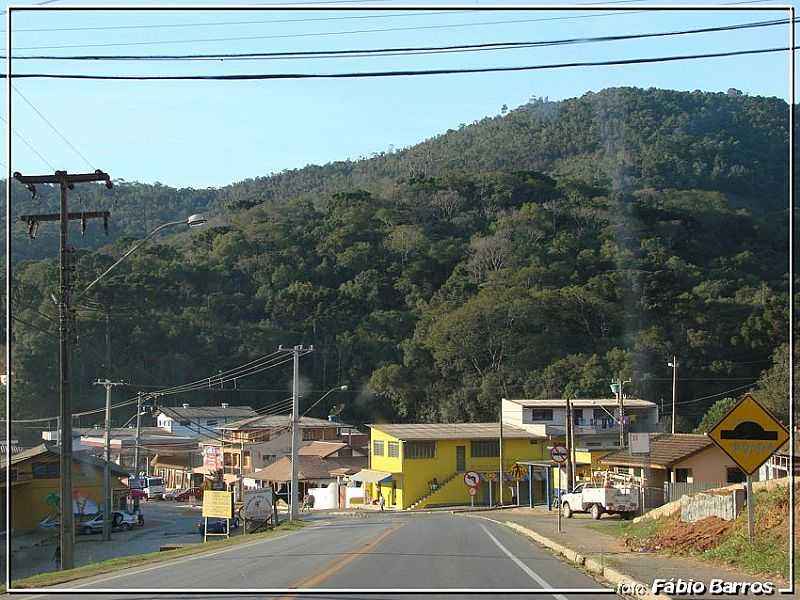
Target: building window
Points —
{"points": [[735, 475], [12, 475], [683, 475], [541, 414], [184, 423], [49, 470], [577, 416], [377, 448], [485, 448], [394, 450], [310, 435], [420, 449]]}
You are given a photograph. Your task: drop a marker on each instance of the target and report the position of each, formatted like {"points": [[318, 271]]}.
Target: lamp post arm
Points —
{"points": [[325, 395], [133, 249]]}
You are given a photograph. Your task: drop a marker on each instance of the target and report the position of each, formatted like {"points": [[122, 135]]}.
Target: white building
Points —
{"points": [[196, 421], [595, 420]]}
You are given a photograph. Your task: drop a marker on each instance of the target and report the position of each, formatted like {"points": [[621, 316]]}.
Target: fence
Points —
{"points": [[674, 491]]}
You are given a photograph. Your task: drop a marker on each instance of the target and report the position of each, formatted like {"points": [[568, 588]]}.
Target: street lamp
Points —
{"points": [[192, 221]]}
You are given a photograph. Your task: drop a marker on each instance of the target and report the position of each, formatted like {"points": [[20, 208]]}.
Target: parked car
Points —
{"points": [[170, 494], [120, 519], [184, 495], [216, 525], [599, 499]]}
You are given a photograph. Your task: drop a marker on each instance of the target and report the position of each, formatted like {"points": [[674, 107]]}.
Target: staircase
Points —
{"points": [[441, 493]]}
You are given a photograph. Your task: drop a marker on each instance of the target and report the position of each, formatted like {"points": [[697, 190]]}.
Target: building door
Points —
{"points": [[461, 459]]}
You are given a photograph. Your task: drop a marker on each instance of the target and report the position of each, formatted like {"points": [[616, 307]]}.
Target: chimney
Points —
{"points": [[185, 405], [224, 405]]}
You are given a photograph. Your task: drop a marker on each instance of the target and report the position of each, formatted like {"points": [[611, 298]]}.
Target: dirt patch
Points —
{"points": [[676, 536]]}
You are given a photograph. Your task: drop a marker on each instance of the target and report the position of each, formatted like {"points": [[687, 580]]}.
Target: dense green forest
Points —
{"points": [[534, 253]]}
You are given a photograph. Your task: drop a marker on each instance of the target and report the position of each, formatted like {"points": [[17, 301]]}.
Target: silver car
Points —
{"points": [[119, 519]]}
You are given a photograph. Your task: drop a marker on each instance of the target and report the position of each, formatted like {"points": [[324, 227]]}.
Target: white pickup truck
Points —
{"points": [[597, 499]]}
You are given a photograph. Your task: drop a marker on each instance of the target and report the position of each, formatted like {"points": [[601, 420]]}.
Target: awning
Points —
{"points": [[370, 476]]}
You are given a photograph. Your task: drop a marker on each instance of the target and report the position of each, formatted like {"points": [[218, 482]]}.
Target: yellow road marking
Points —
{"points": [[338, 564]]}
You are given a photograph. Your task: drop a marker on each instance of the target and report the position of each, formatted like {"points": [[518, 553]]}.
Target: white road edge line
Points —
{"points": [[177, 561], [530, 572]]}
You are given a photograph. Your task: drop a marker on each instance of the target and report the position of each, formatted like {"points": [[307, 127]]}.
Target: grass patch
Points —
{"points": [[767, 555], [124, 562], [628, 529]]}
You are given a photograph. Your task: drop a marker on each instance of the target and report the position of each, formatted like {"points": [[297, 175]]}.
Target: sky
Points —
{"points": [[213, 133]]}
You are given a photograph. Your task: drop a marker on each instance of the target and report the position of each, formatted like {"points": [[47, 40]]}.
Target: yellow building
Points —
{"points": [[423, 465], [35, 482]]}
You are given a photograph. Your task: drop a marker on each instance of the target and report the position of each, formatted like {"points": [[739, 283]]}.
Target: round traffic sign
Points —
{"points": [[472, 491], [472, 479], [559, 454]]}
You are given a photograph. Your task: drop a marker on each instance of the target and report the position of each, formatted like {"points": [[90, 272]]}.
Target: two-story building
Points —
{"points": [[196, 421], [252, 443], [423, 464], [595, 420]]}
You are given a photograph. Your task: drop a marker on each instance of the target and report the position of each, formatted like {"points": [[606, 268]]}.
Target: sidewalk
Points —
{"points": [[584, 537]]}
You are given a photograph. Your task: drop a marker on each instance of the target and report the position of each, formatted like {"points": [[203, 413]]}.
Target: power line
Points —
{"points": [[402, 73], [29, 145], [228, 23], [404, 50], [310, 34], [53, 128]]}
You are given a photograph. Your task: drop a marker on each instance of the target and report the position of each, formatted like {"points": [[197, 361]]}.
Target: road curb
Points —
{"points": [[612, 576]]}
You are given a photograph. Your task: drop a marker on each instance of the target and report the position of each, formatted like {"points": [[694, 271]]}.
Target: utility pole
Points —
{"points": [[568, 442], [107, 467], [674, 365], [617, 387], [139, 398], [296, 351], [501, 479], [66, 182]]}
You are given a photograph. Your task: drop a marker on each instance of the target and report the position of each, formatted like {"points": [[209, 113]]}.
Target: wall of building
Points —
{"points": [[412, 476], [35, 499], [711, 464]]}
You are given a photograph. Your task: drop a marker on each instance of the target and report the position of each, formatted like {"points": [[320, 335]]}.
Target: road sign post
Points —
{"points": [[559, 454], [749, 434]]}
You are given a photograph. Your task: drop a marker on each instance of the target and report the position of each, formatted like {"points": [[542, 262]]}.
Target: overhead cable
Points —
{"points": [[405, 50], [401, 73]]}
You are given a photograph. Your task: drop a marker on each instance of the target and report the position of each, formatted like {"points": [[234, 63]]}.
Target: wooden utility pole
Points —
{"points": [[66, 182]]}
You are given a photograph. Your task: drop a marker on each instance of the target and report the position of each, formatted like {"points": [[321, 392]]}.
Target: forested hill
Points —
{"points": [[620, 138], [626, 138], [435, 290]]}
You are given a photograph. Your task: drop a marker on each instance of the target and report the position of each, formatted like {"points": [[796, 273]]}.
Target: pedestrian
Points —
{"points": [[57, 556], [381, 502]]}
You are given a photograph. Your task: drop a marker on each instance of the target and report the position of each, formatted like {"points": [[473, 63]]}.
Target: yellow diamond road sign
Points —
{"points": [[749, 434]]}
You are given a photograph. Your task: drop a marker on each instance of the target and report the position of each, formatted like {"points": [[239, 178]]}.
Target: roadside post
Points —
{"points": [[472, 481], [749, 435], [518, 474], [491, 477], [559, 454]]}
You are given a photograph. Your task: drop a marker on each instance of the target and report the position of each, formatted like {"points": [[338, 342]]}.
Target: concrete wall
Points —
{"points": [[701, 506], [326, 495]]}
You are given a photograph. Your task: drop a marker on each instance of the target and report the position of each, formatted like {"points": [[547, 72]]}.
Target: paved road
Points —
{"points": [[379, 552]]}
